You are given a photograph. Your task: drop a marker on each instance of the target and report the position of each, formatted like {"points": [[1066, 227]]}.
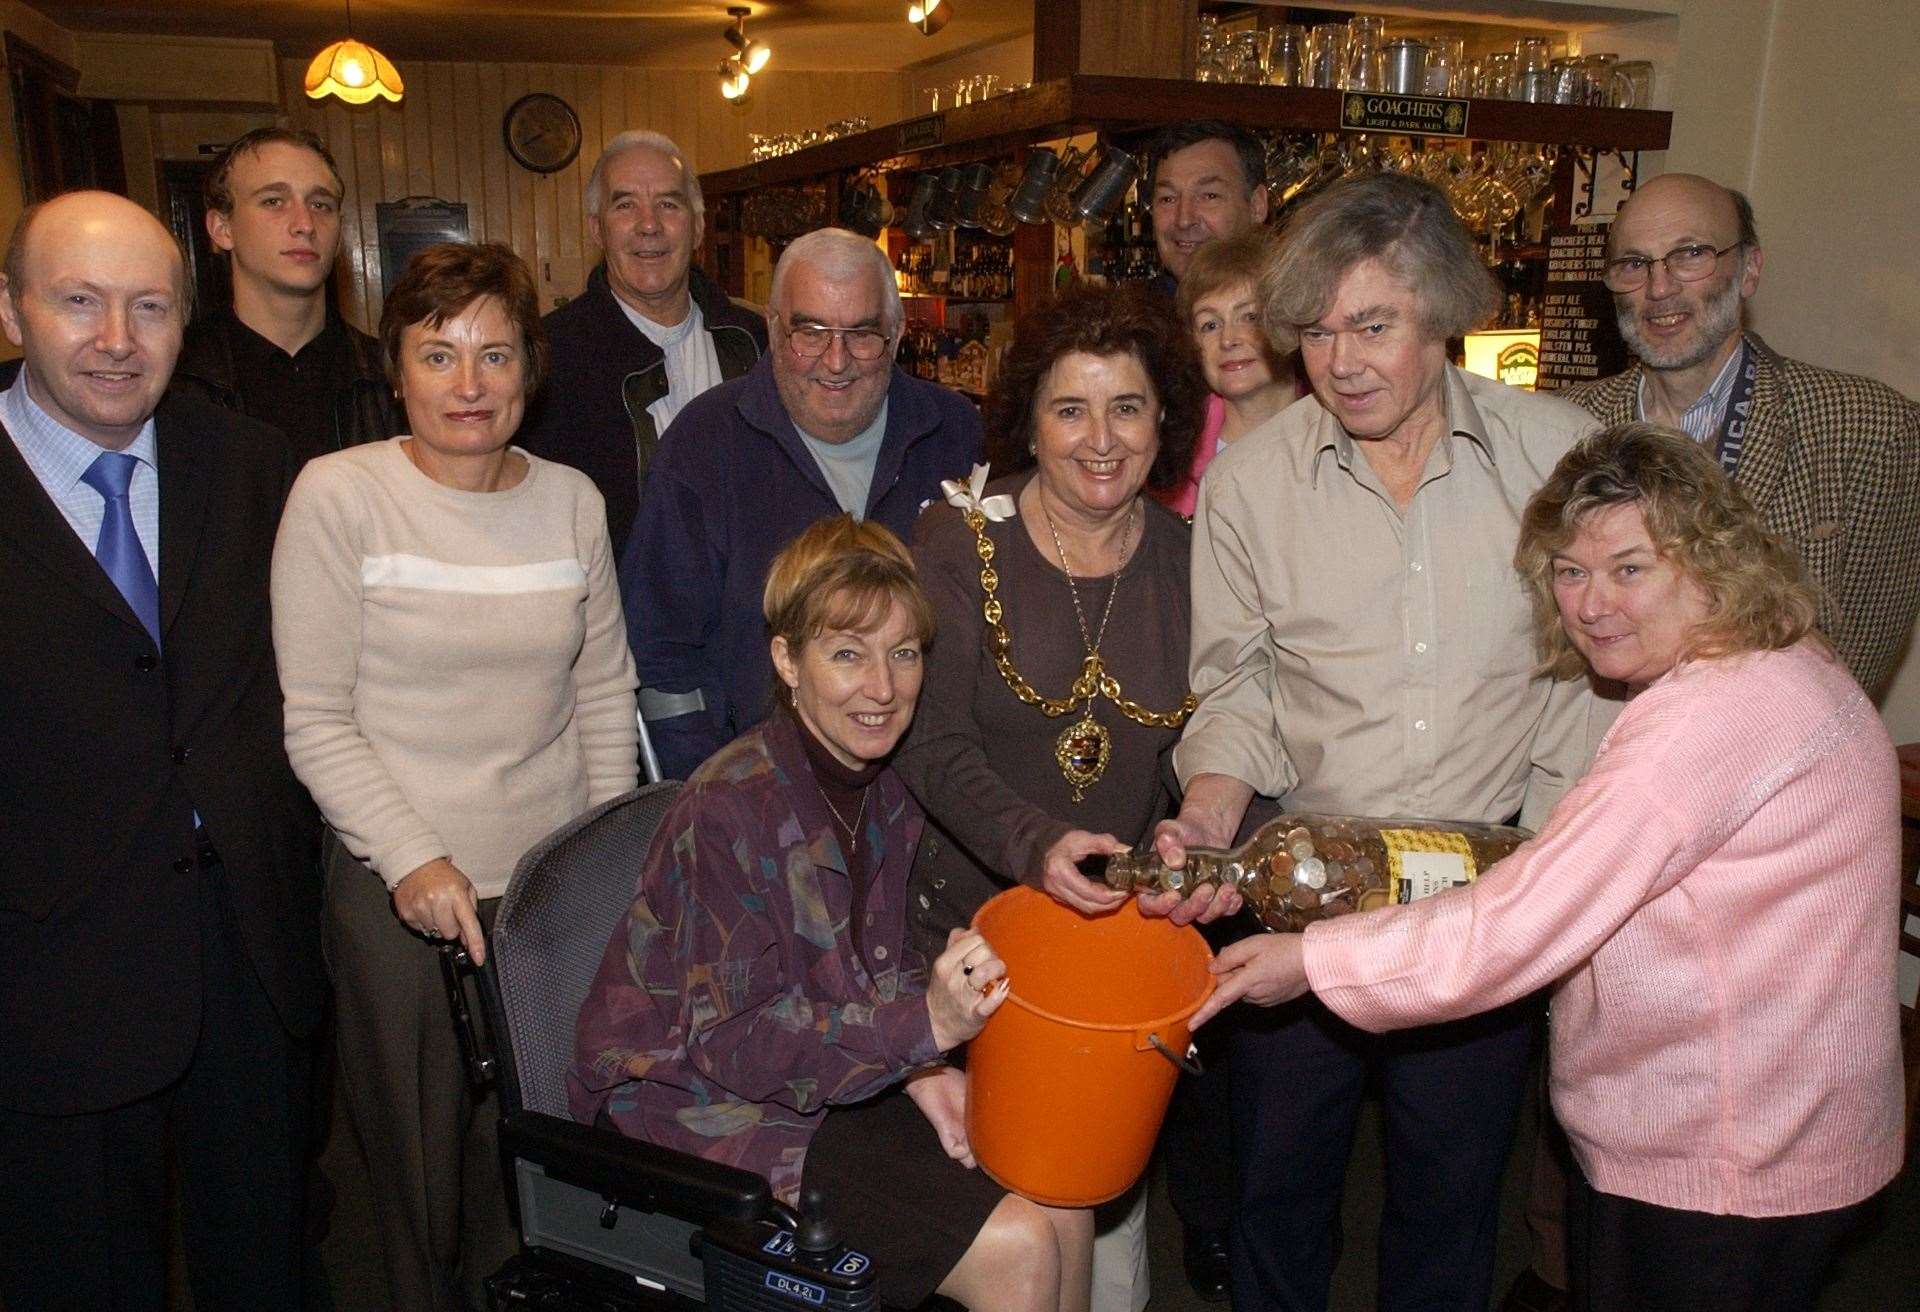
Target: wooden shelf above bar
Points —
{"points": [[1086, 103]]}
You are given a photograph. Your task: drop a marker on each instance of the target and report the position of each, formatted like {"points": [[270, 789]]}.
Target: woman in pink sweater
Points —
{"points": [[1219, 304], [1713, 902]]}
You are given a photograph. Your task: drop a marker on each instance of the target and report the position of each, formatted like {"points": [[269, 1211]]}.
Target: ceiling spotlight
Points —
{"points": [[753, 54], [929, 16], [734, 79]]}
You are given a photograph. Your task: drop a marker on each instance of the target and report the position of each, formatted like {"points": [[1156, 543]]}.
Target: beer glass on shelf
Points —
{"points": [[1639, 80], [1606, 84], [1446, 61], [1326, 55], [1206, 52], [1366, 40], [1249, 56], [1569, 82], [1287, 60], [1533, 69], [1497, 75]]}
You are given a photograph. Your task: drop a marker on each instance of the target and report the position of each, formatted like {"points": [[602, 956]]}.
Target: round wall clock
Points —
{"points": [[542, 132]]}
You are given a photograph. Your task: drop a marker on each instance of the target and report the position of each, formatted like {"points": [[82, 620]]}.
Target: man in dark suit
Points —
{"points": [[159, 960]]}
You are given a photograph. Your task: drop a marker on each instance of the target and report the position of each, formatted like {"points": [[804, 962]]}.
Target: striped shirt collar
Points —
{"points": [[1703, 418], [58, 456]]}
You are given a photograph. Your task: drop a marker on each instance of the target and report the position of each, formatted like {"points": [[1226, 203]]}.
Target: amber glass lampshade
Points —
{"points": [[355, 72]]}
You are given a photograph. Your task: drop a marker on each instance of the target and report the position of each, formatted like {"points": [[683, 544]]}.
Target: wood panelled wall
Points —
{"points": [[444, 140]]}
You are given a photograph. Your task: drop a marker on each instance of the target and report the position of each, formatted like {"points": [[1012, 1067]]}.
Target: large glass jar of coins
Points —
{"points": [[1298, 868]]}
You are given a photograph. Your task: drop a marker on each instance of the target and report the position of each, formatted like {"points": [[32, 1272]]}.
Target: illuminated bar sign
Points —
{"points": [[1425, 116], [1512, 358]]}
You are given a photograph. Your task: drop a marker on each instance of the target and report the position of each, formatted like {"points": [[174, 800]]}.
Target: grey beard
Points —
{"points": [[1717, 319]]}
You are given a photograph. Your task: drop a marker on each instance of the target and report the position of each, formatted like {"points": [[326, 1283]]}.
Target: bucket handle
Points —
{"points": [[1189, 1063]]}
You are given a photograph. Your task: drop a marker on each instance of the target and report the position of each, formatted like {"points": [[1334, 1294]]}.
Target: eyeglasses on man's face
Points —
{"points": [[811, 340], [1688, 263]]}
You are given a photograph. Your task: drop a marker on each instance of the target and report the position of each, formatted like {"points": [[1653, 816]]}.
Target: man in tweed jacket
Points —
{"points": [[1831, 460]]}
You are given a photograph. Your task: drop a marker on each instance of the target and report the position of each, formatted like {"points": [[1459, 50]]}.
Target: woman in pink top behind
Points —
{"points": [[1250, 384], [1715, 899]]}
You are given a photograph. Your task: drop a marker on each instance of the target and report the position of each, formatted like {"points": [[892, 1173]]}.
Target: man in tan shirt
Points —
{"points": [[1362, 645]]}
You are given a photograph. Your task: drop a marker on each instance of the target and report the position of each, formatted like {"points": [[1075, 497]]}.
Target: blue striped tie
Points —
{"points": [[119, 551]]}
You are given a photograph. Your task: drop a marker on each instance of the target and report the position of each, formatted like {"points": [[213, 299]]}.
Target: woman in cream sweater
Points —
{"points": [[458, 684]]}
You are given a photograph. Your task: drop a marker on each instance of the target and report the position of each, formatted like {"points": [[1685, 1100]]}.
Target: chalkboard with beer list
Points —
{"points": [[1579, 340]]}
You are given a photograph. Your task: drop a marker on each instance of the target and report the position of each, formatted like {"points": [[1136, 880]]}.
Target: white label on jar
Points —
{"points": [[1422, 874]]}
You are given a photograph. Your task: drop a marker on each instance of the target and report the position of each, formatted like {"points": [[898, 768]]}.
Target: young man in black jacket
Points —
{"points": [[650, 333], [280, 353]]}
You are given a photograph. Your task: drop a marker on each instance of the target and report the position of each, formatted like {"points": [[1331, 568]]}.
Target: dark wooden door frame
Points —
{"points": [[65, 141]]}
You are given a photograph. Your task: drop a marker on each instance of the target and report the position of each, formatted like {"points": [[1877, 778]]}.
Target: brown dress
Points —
{"points": [[982, 762]]}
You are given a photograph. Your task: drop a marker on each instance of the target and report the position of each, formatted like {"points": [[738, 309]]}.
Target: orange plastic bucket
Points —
{"points": [[1069, 1081]]}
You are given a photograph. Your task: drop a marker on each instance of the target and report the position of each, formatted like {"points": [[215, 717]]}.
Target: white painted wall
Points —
{"points": [[1837, 197]]}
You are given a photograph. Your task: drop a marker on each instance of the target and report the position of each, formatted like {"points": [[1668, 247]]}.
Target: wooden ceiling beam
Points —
{"points": [[1115, 38]]}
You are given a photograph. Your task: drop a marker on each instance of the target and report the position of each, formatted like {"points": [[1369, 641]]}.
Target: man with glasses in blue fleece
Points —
{"points": [[1831, 461], [823, 424]]}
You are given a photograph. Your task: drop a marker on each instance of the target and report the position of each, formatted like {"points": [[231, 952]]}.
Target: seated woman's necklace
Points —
{"points": [[1085, 747], [853, 830]]}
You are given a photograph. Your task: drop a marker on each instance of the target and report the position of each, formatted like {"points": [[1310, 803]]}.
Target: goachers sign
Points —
{"points": [[1422, 116]]}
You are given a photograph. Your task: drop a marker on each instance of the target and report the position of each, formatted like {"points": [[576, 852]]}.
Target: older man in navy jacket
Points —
{"points": [[822, 424], [649, 333]]}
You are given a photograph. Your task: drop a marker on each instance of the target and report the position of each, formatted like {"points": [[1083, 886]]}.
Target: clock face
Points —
{"points": [[542, 132]]}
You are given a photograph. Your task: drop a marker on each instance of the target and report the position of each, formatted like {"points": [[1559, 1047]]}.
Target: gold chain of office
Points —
{"points": [[1094, 679]]}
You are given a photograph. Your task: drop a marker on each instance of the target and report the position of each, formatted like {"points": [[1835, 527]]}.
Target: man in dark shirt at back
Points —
{"points": [[280, 353]]}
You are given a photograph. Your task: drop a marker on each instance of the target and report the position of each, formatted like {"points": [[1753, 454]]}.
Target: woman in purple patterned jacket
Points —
{"points": [[762, 1005]]}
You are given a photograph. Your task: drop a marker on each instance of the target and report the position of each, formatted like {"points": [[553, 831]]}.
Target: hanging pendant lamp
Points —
{"points": [[353, 71]]}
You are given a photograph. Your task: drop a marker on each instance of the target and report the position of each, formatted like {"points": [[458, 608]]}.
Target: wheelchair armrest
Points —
{"points": [[636, 1174]]}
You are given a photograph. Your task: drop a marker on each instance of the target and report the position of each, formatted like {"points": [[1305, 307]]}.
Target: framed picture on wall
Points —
{"points": [[409, 226]]}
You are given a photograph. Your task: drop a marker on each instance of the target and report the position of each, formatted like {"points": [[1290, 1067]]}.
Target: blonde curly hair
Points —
{"points": [[1757, 592]]}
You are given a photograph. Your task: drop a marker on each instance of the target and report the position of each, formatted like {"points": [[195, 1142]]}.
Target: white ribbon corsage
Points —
{"points": [[966, 496]]}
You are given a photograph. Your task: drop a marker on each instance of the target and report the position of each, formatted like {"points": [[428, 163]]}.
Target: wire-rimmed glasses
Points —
{"points": [[810, 341], [1689, 263]]}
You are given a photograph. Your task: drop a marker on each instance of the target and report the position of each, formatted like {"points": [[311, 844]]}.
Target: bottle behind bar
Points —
{"points": [[1299, 868]]}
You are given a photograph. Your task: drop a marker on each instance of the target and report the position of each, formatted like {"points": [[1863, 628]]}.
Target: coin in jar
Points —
{"points": [[1304, 898], [1301, 849], [1281, 864], [1312, 872]]}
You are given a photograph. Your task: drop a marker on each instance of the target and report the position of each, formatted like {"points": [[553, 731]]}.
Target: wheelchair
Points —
{"points": [[606, 1222]]}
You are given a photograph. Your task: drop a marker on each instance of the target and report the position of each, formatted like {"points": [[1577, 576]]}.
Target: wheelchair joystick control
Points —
{"points": [[815, 1234]]}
